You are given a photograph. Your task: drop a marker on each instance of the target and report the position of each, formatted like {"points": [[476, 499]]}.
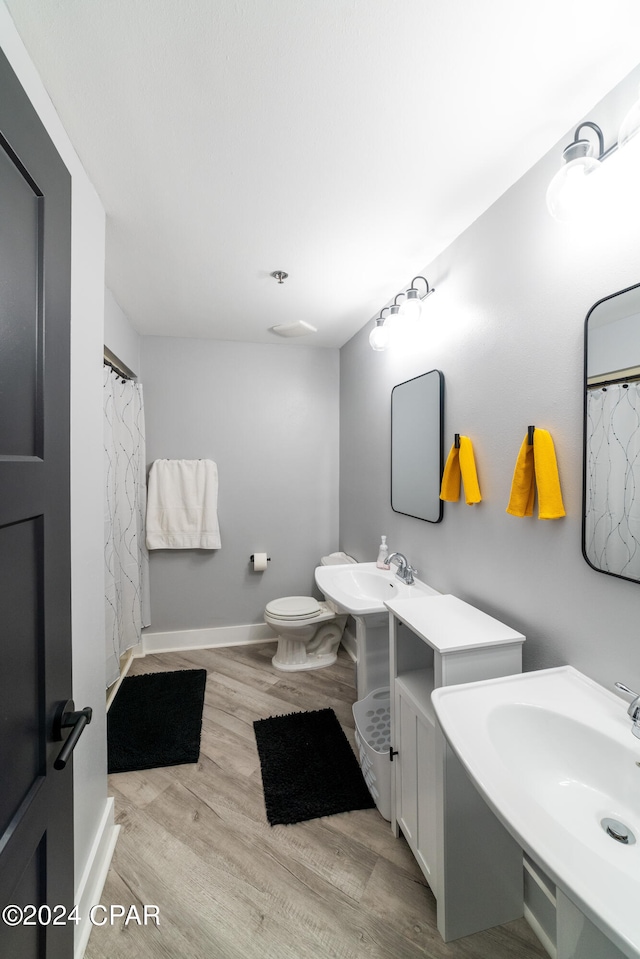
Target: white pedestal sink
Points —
{"points": [[361, 590], [552, 754]]}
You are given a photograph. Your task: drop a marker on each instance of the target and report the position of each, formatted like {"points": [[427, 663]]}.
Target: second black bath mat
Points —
{"points": [[156, 720], [308, 767]]}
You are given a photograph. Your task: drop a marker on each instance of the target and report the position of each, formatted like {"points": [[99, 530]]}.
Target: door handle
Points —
{"points": [[68, 718]]}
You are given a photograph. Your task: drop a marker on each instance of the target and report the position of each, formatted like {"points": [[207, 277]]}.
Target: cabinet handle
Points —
{"points": [[392, 752]]}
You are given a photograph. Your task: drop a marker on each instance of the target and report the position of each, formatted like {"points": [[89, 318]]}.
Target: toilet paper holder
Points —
{"points": [[251, 558]]}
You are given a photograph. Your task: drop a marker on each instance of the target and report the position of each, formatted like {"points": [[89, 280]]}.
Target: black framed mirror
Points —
{"points": [[611, 472], [417, 415]]}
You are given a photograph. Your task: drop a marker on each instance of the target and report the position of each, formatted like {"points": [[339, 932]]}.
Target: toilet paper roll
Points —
{"points": [[259, 562]]}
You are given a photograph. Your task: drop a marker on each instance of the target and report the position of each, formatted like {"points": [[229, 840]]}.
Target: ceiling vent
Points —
{"points": [[299, 328]]}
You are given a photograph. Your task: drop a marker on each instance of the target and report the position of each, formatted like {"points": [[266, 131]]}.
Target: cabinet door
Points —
{"points": [[416, 784]]}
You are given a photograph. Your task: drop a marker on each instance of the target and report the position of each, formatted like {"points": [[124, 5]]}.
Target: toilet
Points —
{"points": [[309, 631]]}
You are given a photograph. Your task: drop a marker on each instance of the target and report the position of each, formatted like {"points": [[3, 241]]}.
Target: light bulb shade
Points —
{"points": [[630, 125], [379, 336], [411, 306], [567, 194]]}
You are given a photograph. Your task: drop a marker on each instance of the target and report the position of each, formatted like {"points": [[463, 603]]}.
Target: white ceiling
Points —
{"points": [[346, 142]]}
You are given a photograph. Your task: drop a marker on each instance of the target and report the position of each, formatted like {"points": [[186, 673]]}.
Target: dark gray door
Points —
{"points": [[36, 812]]}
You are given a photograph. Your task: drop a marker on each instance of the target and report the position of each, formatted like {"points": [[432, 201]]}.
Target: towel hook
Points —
{"points": [[456, 440], [530, 432]]}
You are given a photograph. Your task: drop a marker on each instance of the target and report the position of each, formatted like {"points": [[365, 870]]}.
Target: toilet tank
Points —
{"points": [[336, 559]]}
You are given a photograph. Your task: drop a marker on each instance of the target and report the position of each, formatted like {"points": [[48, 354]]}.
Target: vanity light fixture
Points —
{"points": [[379, 336], [412, 305], [394, 309], [566, 191]]}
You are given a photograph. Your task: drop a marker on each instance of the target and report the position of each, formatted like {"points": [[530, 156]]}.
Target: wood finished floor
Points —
{"points": [[196, 843]]}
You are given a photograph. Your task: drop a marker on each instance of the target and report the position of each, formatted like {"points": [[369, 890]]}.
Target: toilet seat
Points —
{"points": [[293, 608]]}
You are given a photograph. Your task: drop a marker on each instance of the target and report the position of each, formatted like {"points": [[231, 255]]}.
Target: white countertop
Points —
{"points": [[448, 624]]}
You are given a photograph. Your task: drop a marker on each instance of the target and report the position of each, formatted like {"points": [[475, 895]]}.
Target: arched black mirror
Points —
{"points": [[417, 412], [611, 501]]}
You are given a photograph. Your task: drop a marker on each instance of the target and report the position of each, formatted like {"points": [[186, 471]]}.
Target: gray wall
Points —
{"points": [[505, 325], [119, 335], [268, 416]]}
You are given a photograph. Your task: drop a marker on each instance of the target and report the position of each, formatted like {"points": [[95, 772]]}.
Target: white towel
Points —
{"points": [[182, 505]]}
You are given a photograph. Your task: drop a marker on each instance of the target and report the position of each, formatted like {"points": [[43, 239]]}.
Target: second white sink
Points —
{"points": [[552, 753]]}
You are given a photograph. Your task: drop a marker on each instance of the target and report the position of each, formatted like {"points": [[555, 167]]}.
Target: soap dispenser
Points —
{"points": [[383, 552]]}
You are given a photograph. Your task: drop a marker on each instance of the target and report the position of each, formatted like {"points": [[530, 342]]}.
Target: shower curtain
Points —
{"points": [[125, 553], [612, 499]]}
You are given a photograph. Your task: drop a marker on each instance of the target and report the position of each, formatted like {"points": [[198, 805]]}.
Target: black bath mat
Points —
{"points": [[155, 720], [308, 767]]}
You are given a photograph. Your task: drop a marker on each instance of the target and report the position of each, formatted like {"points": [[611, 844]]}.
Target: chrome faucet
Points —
{"points": [[405, 572], [634, 708]]}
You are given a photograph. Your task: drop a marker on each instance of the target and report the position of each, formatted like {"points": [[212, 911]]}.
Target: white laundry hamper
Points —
{"points": [[372, 716]]}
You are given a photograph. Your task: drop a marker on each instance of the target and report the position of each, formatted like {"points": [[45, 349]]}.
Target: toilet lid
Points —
{"points": [[294, 607]]}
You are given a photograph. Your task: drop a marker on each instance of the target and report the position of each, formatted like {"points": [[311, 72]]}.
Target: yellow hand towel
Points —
{"points": [[450, 486], [469, 474], [523, 483], [536, 463], [460, 463], [550, 505]]}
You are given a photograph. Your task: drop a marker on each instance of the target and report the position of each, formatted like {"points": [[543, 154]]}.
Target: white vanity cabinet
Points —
{"points": [[414, 790], [435, 641]]}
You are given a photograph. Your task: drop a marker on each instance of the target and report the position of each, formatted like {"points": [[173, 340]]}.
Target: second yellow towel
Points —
{"points": [[536, 465], [460, 464]]}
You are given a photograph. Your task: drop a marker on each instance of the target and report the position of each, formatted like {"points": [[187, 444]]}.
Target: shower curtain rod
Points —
{"points": [[116, 369], [620, 379]]}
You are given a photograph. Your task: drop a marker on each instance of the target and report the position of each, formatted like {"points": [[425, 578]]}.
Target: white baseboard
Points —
{"points": [[180, 640], [93, 879]]}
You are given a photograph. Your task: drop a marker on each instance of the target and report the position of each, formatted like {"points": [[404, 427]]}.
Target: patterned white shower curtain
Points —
{"points": [[125, 554], [612, 501]]}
